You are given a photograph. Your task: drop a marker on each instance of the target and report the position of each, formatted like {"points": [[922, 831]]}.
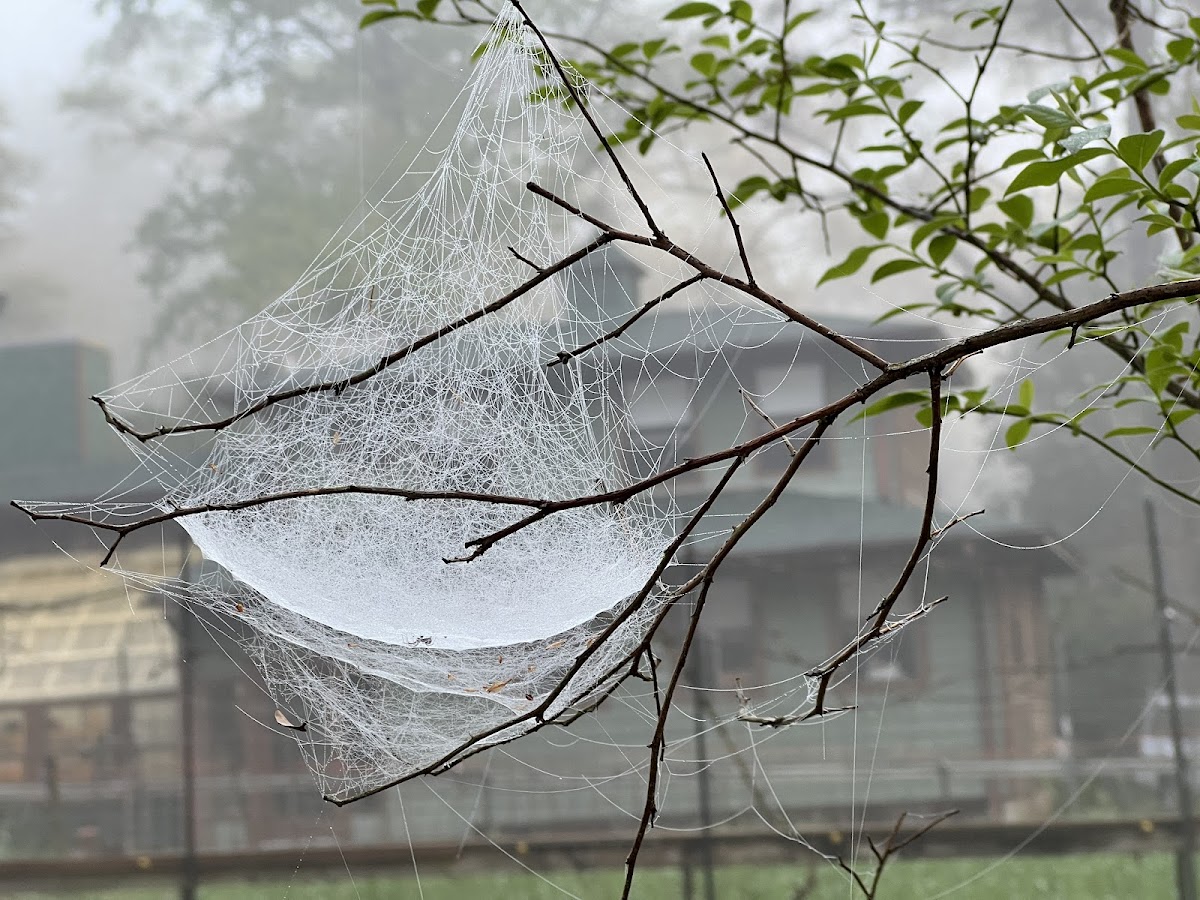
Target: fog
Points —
{"points": [[174, 167]]}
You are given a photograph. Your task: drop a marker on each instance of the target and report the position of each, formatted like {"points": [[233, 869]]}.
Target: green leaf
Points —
{"points": [[747, 188], [651, 49], [854, 109], [1048, 172], [900, 311], [1019, 209], [1171, 171], [798, 19], [1029, 154], [1025, 396], [895, 267], [693, 11], [1161, 366], [741, 11], [907, 109], [1081, 139], [1180, 49], [427, 8], [940, 248], [1047, 117], [875, 224], [893, 401], [1137, 150], [1109, 187], [851, 264], [1130, 430], [1191, 121], [947, 292], [979, 197], [1128, 57], [379, 15], [1045, 90], [705, 63], [1017, 432]]}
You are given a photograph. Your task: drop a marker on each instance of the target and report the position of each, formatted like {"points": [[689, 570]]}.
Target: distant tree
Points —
{"points": [[15, 172], [14, 169], [275, 117]]}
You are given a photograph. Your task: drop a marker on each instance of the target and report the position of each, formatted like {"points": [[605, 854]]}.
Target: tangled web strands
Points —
{"points": [[395, 658]]}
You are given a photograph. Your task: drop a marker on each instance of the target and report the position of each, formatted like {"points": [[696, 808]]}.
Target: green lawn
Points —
{"points": [[1083, 877]]}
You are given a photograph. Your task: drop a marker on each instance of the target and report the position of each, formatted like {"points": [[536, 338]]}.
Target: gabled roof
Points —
{"points": [[809, 523]]}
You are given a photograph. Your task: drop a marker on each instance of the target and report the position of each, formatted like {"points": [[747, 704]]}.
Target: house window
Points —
{"points": [[784, 392], [896, 661], [663, 418], [78, 739], [155, 727]]}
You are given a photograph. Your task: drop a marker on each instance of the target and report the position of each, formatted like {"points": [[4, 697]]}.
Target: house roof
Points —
{"points": [[713, 327], [806, 522]]}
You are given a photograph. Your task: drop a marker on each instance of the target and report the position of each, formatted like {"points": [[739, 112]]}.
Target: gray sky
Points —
{"points": [[70, 274]]}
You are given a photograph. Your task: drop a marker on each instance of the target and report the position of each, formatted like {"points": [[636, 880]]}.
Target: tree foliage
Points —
{"points": [[275, 118], [1007, 209], [14, 168]]}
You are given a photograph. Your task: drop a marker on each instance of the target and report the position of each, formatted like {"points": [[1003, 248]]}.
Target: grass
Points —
{"points": [[1082, 877]]}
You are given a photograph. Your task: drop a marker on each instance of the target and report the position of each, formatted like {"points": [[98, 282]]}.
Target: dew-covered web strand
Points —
{"points": [[303, 850], [428, 783], [412, 850], [1128, 472], [346, 865]]}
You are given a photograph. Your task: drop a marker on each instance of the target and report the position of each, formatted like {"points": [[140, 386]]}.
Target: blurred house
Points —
{"points": [[89, 673], [88, 670]]}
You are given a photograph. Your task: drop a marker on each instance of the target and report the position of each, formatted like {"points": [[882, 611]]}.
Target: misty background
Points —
{"points": [[166, 170]]}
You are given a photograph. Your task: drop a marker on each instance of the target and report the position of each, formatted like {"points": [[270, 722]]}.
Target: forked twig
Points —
{"points": [[879, 627], [891, 846], [733, 222]]}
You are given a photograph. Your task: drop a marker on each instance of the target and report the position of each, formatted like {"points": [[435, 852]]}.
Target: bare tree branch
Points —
{"points": [[733, 222]]}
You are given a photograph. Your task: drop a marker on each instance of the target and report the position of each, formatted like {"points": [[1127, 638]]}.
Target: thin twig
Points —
{"points": [[180, 512], [341, 384], [878, 626], [587, 115], [733, 222], [884, 854], [755, 291], [479, 742], [936, 360], [564, 356], [528, 262]]}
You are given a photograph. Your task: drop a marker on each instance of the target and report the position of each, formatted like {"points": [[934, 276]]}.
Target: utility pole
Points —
{"points": [[187, 728], [1185, 867], [700, 708]]}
